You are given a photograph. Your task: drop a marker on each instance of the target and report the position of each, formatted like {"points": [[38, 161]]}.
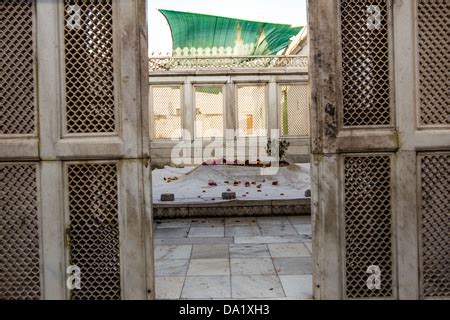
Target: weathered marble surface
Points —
{"points": [[234, 258]]}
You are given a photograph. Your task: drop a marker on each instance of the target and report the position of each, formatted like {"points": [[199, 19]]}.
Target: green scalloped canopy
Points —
{"points": [[205, 35]]}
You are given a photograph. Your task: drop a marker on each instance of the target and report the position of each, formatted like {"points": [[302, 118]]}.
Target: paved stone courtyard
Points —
{"points": [[234, 258]]}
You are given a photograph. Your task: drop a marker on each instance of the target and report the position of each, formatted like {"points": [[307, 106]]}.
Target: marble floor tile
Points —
{"points": [[297, 286], [272, 221], [259, 286], [193, 241], [171, 268], [240, 222], [303, 228], [240, 231], [210, 251], [288, 250], [249, 251], [207, 223], [209, 267], [252, 266], [272, 239], [168, 233], [175, 223], [306, 237], [207, 287], [300, 219], [206, 232], [278, 230], [233, 258], [168, 287], [173, 252], [309, 246], [293, 266]]}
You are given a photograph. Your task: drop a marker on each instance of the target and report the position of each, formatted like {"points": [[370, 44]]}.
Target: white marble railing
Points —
{"points": [[167, 63]]}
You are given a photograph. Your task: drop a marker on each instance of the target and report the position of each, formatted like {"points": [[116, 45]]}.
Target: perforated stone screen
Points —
{"points": [[209, 105], [434, 225], [19, 232], [433, 43], [368, 225], [89, 66], [294, 110], [17, 91], [251, 110], [167, 111], [365, 62], [94, 229]]}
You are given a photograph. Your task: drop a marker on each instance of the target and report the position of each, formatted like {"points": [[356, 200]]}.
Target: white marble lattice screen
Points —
{"points": [[89, 67], [433, 59], [17, 109], [20, 272], [365, 62]]}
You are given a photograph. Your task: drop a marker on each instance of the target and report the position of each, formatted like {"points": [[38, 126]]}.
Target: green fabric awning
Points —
{"points": [[205, 35]]}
